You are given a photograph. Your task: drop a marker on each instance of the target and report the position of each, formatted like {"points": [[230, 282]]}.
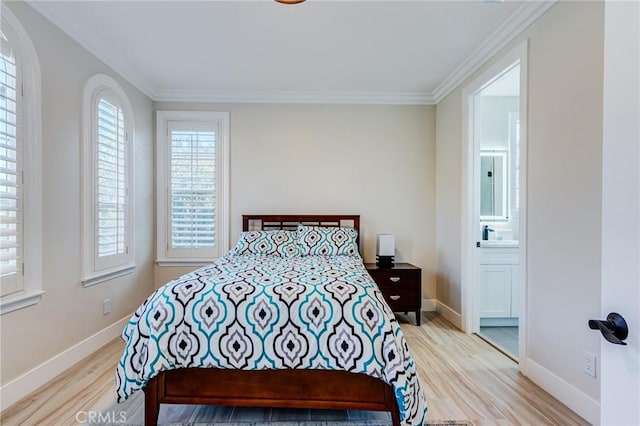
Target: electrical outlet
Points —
{"points": [[589, 364], [106, 306]]}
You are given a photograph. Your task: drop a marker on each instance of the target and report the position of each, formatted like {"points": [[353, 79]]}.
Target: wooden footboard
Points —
{"points": [[321, 389]]}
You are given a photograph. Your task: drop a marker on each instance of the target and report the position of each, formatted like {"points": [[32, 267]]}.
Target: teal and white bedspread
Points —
{"points": [[256, 312]]}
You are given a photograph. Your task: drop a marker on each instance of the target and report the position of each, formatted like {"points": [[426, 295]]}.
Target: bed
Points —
{"points": [[267, 347]]}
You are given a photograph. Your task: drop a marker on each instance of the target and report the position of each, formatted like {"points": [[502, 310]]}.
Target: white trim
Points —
{"points": [[470, 197], [585, 406], [221, 119], [94, 272], [177, 262], [505, 33], [429, 305], [523, 310], [32, 165], [23, 385], [22, 301], [296, 97], [449, 314], [106, 276], [75, 28]]}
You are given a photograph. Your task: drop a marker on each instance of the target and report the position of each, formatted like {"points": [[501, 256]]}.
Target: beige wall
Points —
{"points": [[68, 312], [376, 161], [564, 190]]}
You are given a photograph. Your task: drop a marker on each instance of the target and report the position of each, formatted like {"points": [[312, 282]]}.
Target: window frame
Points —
{"points": [[95, 269], [167, 256], [30, 142]]}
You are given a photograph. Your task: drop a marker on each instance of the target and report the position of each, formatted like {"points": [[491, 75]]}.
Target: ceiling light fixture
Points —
{"points": [[289, 1]]}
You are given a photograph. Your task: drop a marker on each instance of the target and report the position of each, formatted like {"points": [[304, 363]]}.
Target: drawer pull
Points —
{"points": [[394, 297], [394, 279]]}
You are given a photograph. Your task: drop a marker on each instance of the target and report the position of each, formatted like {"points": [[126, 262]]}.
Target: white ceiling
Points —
{"points": [[319, 50]]}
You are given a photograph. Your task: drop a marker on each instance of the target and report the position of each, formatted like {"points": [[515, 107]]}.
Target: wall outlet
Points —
{"points": [[106, 306], [589, 364]]}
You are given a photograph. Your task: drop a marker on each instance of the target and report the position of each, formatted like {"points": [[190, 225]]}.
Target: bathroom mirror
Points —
{"points": [[493, 185]]}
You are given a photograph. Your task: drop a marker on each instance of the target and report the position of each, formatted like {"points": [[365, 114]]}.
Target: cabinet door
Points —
{"points": [[515, 291], [495, 291]]}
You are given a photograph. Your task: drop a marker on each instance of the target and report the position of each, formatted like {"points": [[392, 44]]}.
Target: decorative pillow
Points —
{"points": [[327, 241], [270, 243]]}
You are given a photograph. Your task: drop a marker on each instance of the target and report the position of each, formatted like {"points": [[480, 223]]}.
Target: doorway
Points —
{"points": [[494, 219]]}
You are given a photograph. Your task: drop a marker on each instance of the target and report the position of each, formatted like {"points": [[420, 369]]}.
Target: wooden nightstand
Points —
{"points": [[401, 286]]}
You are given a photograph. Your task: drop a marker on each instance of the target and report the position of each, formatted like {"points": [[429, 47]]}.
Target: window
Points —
{"points": [[11, 230], [192, 154], [107, 181], [20, 169]]}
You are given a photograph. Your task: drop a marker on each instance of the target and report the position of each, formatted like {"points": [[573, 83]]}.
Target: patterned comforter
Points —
{"points": [[266, 312]]}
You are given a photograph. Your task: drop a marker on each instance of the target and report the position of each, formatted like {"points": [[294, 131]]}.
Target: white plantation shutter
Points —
{"points": [[11, 231], [112, 196], [192, 188]]}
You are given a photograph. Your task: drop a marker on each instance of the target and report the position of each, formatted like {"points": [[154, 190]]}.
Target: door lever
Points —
{"points": [[614, 328]]}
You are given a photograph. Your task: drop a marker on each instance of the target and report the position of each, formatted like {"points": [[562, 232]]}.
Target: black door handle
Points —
{"points": [[614, 328]]}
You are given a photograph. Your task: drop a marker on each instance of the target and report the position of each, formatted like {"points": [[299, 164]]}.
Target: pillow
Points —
{"points": [[327, 241], [269, 243]]}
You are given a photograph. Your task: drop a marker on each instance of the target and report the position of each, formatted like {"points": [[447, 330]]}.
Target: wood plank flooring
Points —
{"points": [[465, 379]]}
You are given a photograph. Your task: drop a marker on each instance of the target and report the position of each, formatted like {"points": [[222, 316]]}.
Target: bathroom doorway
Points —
{"points": [[494, 241]]}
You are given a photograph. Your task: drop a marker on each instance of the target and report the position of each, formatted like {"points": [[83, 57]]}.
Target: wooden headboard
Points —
{"points": [[259, 222]]}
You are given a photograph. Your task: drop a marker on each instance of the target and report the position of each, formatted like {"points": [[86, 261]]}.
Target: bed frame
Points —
{"points": [[289, 388]]}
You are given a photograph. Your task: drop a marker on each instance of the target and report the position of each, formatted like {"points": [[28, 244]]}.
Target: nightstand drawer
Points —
{"points": [[395, 277], [400, 298]]}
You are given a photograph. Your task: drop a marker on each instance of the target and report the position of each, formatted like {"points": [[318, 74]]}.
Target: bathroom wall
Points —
{"points": [[494, 131]]}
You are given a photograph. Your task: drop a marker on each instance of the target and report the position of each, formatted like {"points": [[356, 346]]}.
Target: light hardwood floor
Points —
{"points": [[464, 377]]}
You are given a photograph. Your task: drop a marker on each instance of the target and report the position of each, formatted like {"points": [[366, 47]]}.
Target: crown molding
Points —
{"points": [[87, 38], [505, 33], [295, 97]]}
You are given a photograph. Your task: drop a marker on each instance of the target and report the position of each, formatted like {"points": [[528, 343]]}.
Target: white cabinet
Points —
{"points": [[515, 291], [495, 291], [498, 287]]}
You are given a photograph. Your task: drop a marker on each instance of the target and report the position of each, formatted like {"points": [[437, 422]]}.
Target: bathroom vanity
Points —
{"points": [[499, 272]]}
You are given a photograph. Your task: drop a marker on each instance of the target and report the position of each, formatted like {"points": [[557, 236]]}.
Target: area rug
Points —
{"points": [[131, 413]]}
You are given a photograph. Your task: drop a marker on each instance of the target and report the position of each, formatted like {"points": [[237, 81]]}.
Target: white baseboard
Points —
{"points": [[22, 386], [585, 406], [428, 305], [449, 314]]}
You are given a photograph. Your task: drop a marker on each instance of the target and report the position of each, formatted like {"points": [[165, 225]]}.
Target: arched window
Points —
{"points": [[20, 169], [107, 181]]}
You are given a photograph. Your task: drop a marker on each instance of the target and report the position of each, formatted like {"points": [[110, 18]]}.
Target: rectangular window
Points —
{"points": [[10, 181], [192, 203]]}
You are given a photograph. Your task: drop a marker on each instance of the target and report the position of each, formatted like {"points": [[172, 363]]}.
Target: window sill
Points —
{"points": [[97, 279], [185, 262], [19, 302]]}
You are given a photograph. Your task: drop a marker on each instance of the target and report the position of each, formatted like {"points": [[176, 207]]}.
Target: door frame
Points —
{"points": [[471, 198]]}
